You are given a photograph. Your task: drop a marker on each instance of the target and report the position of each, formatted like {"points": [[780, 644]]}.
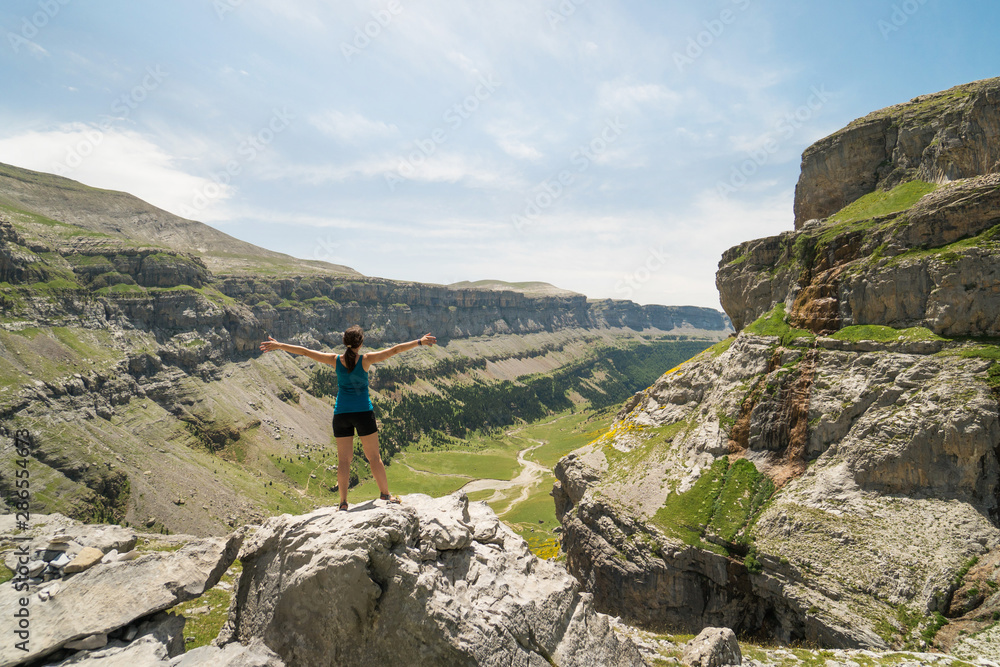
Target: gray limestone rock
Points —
{"points": [[935, 138], [412, 584], [109, 596], [155, 643], [893, 487], [713, 647], [257, 654]]}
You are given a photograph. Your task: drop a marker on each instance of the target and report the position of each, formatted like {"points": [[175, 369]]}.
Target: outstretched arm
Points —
{"points": [[322, 357], [382, 355]]}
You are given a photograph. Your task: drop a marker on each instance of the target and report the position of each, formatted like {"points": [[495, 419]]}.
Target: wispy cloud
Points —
{"points": [[351, 127], [111, 159]]}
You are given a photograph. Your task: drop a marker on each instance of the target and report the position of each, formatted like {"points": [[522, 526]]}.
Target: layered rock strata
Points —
{"points": [[936, 138], [933, 265], [831, 473]]}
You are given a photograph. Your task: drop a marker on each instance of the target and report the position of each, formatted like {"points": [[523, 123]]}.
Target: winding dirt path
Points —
{"points": [[530, 476]]}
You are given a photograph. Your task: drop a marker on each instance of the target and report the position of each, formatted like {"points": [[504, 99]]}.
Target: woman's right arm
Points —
{"points": [[322, 357]]}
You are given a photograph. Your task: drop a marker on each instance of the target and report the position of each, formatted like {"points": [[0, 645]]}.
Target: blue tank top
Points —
{"points": [[352, 389]]}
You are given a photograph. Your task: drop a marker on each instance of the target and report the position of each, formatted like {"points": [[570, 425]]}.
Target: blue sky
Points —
{"points": [[596, 145]]}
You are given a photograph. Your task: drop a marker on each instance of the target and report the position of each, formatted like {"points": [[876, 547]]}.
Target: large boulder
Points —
{"points": [[430, 582], [713, 647]]}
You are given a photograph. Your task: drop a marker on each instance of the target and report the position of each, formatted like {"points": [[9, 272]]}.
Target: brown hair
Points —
{"points": [[352, 338]]}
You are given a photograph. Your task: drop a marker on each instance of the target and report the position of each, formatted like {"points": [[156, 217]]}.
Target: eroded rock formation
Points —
{"points": [[936, 138], [431, 582], [831, 474]]}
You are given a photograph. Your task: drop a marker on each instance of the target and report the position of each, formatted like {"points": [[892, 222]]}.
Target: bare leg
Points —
{"points": [[345, 452], [369, 443]]}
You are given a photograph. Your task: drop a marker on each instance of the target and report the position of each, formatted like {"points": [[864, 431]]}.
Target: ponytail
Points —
{"points": [[352, 338]]}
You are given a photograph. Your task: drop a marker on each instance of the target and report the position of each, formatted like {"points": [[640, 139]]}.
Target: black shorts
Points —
{"points": [[344, 424]]}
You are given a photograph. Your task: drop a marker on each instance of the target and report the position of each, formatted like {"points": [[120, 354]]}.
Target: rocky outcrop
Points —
{"points": [[79, 611], [936, 138], [832, 473], [900, 469], [431, 582], [933, 265]]}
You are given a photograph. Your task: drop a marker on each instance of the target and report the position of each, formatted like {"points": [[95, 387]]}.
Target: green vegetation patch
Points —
{"points": [[744, 492], [881, 334], [481, 466], [724, 500], [687, 515], [207, 613], [121, 289], [775, 323], [881, 202]]}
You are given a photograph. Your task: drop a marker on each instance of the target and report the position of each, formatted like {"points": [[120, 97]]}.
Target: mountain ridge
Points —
{"points": [[126, 357]]}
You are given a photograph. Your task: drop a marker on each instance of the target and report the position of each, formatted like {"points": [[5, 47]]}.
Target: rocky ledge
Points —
{"points": [[429, 582]]}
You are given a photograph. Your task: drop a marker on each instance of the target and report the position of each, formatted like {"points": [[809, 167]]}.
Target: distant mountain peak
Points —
{"points": [[49, 206]]}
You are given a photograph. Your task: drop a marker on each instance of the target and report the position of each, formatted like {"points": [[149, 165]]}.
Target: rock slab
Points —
{"points": [[109, 596]]}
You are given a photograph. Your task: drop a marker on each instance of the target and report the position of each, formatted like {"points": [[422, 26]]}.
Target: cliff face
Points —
{"points": [[884, 459], [830, 474], [936, 138], [933, 264]]}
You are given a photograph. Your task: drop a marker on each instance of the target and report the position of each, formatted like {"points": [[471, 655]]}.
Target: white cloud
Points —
{"points": [[351, 127], [618, 96], [512, 136], [441, 167], [116, 160]]}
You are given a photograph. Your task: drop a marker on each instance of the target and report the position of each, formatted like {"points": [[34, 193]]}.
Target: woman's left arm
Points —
{"points": [[375, 357]]}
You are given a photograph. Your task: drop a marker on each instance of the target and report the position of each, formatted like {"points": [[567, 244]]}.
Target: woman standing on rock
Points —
{"points": [[353, 409]]}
